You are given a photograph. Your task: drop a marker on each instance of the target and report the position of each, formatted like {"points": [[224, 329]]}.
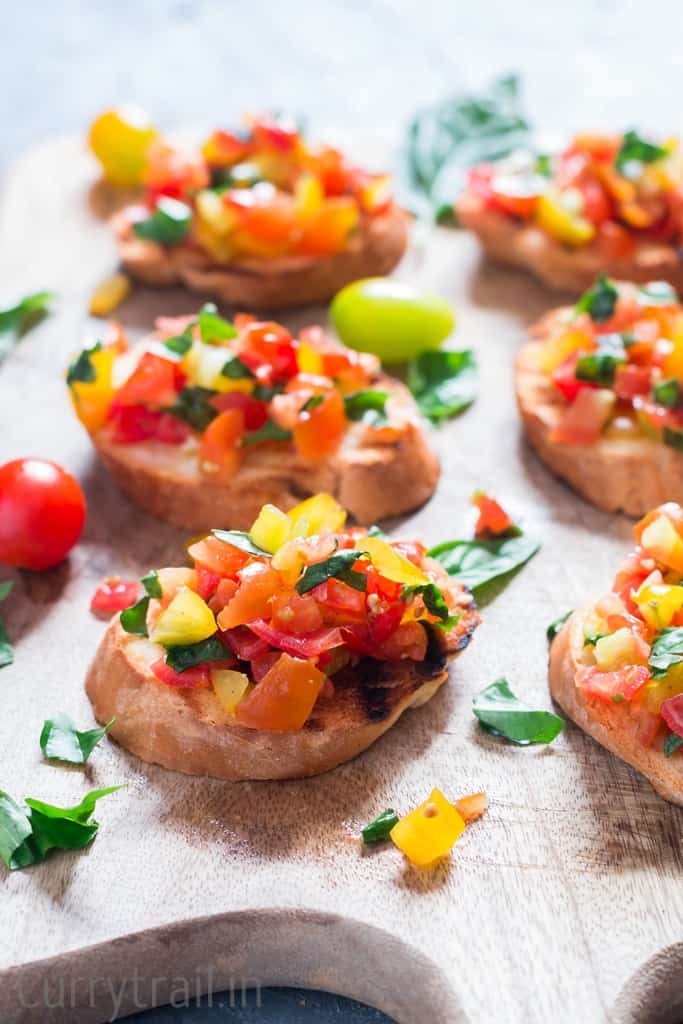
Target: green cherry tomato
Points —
{"points": [[390, 319]]}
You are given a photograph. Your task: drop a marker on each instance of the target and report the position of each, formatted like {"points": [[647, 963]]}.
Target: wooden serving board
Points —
{"points": [[550, 906]]}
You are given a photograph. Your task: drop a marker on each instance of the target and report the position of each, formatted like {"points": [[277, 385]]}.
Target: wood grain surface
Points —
{"points": [[548, 906]]}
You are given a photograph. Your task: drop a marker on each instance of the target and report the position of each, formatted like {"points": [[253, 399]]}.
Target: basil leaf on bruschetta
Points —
{"points": [[6, 649], [443, 383], [666, 650], [270, 431], [240, 539], [367, 407], [555, 626], [434, 602], [60, 740], [212, 326], [151, 583], [636, 150], [184, 656], [476, 563], [179, 344], [167, 224], [134, 619], [82, 369], [336, 567], [193, 406], [599, 301], [502, 713]]}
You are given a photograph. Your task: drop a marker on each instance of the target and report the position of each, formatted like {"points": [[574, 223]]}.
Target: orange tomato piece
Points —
{"points": [[220, 451], [259, 583], [217, 556], [328, 232], [285, 697], [319, 430], [408, 641], [672, 511]]}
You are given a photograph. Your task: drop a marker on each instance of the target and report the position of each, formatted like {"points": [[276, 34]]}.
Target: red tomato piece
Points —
{"points": [[207, 582], [583, 420], [190, 678], [309, 646], [217, 556], [171, 430], [220, 452], [154, 381], [341, 599], [295, 613], [672, 713], [244, 644], [261, 665], [42, 512], [616, 242], [632, 380], [255, 413], [113, 595], [278, 134], [285, 697], [624, 682], [270, 343], [597, 206], [388, 590], [225, 592], [259, 583], [565, 380], [319, 431], [493, 520], [409, 640], [133, 423]]}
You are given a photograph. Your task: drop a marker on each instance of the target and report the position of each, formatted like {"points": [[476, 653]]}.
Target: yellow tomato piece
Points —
{"points": [[616, 650], [659, 690], [429, 832], [120, 139], [230, 687], [661, 540], [658, 604], [187, 620], [321, 512], [109, 294], [558, 213], [213, 212], [390, 563], [271, 529], [556, 349], [92, 399], [308, 359], [308, 198], [673, 363]]}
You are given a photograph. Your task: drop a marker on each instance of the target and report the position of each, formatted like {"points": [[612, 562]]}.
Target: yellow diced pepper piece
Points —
{"points": [[673, 363], [661, 540], [120, 139], [308, 198], [321, 512], [390, 563], [658, 604], [213, 213], [92, 399], [308, 359], [271, 529], [659, 690], [187, 620], [429, 832], [558, 214], [555, 350], [616, 650], [109, 294], [230, 687]]}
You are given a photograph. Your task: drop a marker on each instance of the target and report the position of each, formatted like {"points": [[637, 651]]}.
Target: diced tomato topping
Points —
{"points": [[190, 678], [285, 697], [218, 556], [605, 686], [207, 582], [632, 380], [261, 665], [343, 601], [113, 595], [255, 413], [244, 643], [670, 509], [672, 713], [293, 613], [133, 423], [565, 380], [319, 431], [271, 343], [274, 133], [259, 583], [409, 640], [597, 206], [155, 381], [220, 452], [309, 646], [225, 591]]}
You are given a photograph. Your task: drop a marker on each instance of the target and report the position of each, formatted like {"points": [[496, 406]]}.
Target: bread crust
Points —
{"points": [[609, 724], [560, 266], [186, 730], [374, 474], [629, 475], [282, 283]]}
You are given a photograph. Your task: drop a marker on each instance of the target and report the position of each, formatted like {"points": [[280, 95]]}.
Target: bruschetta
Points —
{"points": [[259, 219], [283, 651], [609, 204], [599, 392], [205, 421], [616, 666]]}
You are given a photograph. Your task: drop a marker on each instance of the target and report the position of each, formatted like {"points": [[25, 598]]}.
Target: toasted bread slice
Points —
{"points": [[374, 474], [186, 730], [609, 724], [560, 266], [281, 283], [627, 475]]}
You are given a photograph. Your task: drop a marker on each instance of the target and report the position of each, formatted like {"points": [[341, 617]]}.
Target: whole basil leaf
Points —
{"points": [[367, 407], [599, 301], [658, 293], [15, 827], [666, 650], [151, 584], [168, 224], [213, 327], [434, 602], [82, 369], [60, 740], [134, 619], [443, 383], [635, 149], [555, 627], [477, 563], [183, 656], [336, 566], [270, 431], [503, 714], [6, 649], [17, 320], [672, 743], [241, 540], [193, 406]]}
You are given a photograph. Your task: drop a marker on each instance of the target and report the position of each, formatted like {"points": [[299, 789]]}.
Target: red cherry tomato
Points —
{"points": [[42, 512], [113, 595]]}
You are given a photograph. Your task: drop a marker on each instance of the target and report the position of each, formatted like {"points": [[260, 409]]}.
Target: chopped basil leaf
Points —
{"points": [[336, 566], [657, 293], [235, 369], [82, 369], [443, 383], [599, 301], [667, 392], [134, 619], [151, 583], [635, 149], [672, 743], [591, 641], [666, 650], [6, 649], [180, 343], [267, 392], [270, 431], [60, 740], [599, 367], [502, 713], [193, 406], [377, 531], [477, 563], [167, 225], [243, 175], [378, 830], [243, 541], [555, 627], [434, 602], [27, 836], [543, 165], [16, 321], [674, 438], [213, 327], [367, 407], [184, 656], [312, 403]]}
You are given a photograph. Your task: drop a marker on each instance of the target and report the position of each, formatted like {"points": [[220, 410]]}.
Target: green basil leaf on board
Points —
{"points": [[502, 713], [168, 224], [444, 383], [212, 326], [241, 540], [658, 293], [60, 740], [378, 830], [151, 584], [666, 650], [367, 407], [193, 406], [636, 150], [6, 648], [81, 369], [184, 656], [270, 431], [672, 743], [28, 833], [599, 301], [17, 320], [478, 563], [555, 627], [336, 566], [134, 619], [434, 602]]}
